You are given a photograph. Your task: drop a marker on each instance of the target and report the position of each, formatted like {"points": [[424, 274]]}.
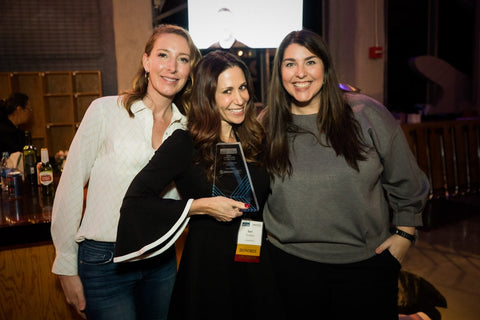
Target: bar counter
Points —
{"points": [[25, 220], [28, 289]]}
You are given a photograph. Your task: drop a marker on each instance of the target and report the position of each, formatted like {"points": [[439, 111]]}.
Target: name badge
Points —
{"points": [[249, 241]]}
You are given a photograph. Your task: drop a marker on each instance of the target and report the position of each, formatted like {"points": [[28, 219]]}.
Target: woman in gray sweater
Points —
{"points": [[347, 192]]}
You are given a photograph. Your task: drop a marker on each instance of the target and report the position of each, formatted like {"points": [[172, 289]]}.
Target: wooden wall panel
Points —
{"points": [[28, 289]]}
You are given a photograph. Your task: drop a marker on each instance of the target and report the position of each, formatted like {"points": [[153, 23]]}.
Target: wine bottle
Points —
{"points": [[29, 160], [46, 178]]}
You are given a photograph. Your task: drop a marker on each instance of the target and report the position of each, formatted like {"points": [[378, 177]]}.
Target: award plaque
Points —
{"points": [[231, 176]]}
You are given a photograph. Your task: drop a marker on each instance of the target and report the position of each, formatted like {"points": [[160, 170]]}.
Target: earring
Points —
{"points": [[147, 75]]}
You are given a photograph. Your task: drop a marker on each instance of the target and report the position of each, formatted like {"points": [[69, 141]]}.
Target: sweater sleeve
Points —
{"points": [[68, 204], [150, 224], [406, 184]]}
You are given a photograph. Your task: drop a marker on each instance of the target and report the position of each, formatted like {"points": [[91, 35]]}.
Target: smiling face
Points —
{"points": [[231, 96], [302, 77], [168, 65]]}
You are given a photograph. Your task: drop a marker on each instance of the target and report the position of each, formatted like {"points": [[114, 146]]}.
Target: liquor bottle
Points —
{"points": [[46, 179], [29, 160]]}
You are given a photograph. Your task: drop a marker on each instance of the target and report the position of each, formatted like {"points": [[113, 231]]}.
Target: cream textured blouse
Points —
{"points": [[108, 150]]}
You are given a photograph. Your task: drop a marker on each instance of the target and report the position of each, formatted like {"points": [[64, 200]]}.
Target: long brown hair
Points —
{"points": [[204, 120], [140, 82], [335, 118]]}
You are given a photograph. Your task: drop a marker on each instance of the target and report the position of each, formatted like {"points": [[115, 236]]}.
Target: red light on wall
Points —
{"points": [[375, 52]]}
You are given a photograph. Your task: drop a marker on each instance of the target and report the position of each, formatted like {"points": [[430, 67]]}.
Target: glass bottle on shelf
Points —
{"points": [[4, 171], [29, 160], [46, 179]]}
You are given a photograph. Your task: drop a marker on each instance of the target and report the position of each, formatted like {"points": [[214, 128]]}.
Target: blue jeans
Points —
{"points": [[125, 291]]}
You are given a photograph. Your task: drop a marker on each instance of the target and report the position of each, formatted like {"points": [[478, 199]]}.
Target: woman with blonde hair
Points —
{"points": [[116, 138]]}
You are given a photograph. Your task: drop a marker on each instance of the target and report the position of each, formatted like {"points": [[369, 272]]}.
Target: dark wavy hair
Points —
{"points": [[140, 82], [204, 119], [16, 99], [335, 118]]}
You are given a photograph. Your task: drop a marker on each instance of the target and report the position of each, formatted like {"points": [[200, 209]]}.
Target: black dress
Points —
{"points": [[210, 284]]}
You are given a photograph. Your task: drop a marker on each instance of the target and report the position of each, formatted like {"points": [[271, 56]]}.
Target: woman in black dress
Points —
{"points": [[210, 283]]}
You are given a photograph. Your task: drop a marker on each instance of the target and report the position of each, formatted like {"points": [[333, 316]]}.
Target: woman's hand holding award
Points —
{"points": [[231, 176], [232, 179]]}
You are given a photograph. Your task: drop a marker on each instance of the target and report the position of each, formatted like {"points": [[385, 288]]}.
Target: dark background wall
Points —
{"points": [[442, 28], [59, 35]]}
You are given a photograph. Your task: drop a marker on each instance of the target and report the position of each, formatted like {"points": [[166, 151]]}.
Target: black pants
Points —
{"points": [[361, 290]]}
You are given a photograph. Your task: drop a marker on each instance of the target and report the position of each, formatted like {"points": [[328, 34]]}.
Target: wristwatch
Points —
{"points": [[405, 235]]}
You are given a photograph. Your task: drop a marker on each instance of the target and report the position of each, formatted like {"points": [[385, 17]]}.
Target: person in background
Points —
{"points": [[14, 111], [339, 164], [116, 138], [226, 22], [210, 283]]}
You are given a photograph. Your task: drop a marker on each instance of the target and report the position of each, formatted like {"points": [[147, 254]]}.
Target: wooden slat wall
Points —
{"points": [[449, 153]]}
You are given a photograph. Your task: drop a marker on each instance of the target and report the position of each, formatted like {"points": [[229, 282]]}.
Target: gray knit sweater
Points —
{"points": [[327, 211]]}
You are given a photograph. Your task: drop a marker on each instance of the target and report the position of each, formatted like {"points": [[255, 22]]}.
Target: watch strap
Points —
{"points": [[405, 235]]}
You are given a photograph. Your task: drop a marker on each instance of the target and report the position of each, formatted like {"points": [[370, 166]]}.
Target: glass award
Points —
{"points": [[231, 176]]}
